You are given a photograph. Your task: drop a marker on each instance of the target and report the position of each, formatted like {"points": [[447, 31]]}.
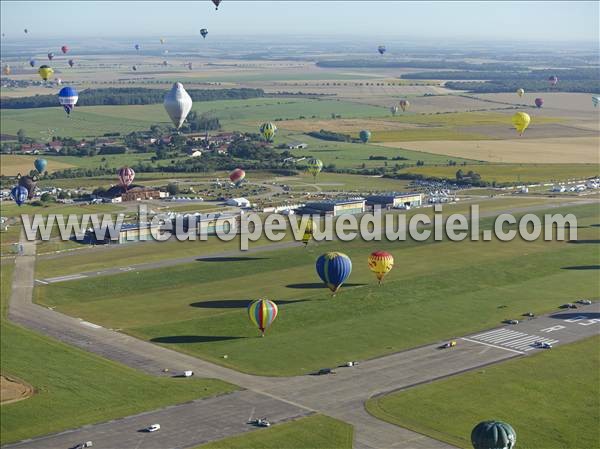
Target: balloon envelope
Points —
{"points": [[19, 194], [204, 32], [237, 176], [216, 3], [381, 49], [267, 130], [394, 109], [40, 165], [28, 183], [45, 72], [178, 104], [493, 435], [539, 102], [595, 101], [380, 263], [136, 46], [333, 269], [50, 56], [314, 166], [68, 97], [126, 176], [32, 62], [404, 104], [521, 121], [64, 49], [71, 62], [553, 80], [364, 135], [262, 313], [520, 92], [6, 69]]}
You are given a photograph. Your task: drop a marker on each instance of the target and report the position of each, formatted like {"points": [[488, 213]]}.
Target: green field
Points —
{"points": [[74, 388], [314, 432], [199, 308], [551, 399], [512, 173]]}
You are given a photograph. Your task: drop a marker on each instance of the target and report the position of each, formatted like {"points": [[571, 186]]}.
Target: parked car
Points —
{"points": [[153, 428], [188, 373], [585, 302], [542, 345], [568, 306], [261, 422], [324, 371], [450, 344], [511, 321], [83, 445], [529, 314]]}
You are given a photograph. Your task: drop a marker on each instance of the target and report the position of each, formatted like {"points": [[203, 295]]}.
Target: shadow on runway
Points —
{"points": [[569, 315], [235, 303], [174, 339]]}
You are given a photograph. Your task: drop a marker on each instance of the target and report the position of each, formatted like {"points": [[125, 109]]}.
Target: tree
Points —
{"points": [[21, 136], [459, 175], [172, 188]]}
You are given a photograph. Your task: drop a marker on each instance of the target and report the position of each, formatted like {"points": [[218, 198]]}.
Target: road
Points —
{"points": [[341, 396]]}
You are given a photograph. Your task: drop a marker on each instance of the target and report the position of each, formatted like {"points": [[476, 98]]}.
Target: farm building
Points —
{"points": [[238, 202], [134, 193], [395, 200], [297, 146], [334, 207]]}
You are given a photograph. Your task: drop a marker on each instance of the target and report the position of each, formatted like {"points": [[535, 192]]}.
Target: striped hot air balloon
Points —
{"points": [[381, 263], [262, 313], [314, 167], [333, 269], [237, 176], [364, 135], [404, 104], [493, 435], [126, 176], [268, 130], [68, 97], [19, 194], [308, 232]]}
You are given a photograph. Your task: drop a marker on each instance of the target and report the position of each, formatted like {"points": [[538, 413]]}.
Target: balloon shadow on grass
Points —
{"points": [[236, 303], [175, 339], [582, 267], [579, 242], [315, 285]]}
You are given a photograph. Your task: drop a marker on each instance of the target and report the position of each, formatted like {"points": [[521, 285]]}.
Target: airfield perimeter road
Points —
{"points": [[341, 396]]}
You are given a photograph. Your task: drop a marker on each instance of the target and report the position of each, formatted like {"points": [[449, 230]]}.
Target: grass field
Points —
{"points": [[313, 432], [513, 173], [9, 209], [552, 400], [11, 165], [74, 388], [199, 308]]}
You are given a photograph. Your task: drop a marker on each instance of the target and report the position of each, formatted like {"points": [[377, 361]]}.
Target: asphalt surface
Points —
{"points": [[341, 396]]}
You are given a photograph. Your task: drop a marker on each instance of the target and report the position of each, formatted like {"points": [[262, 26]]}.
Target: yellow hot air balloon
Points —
{"points": [[521, 122], [268, 131], [6, 69], [520, 92], [45, 72], [314, 167], [381, 263], [308, 232]]}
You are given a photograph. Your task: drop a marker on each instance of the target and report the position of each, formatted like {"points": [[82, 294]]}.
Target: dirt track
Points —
{"points": [[13, 390]]}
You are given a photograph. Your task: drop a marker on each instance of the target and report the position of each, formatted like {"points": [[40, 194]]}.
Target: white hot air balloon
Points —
{"points": [[178, 104]]}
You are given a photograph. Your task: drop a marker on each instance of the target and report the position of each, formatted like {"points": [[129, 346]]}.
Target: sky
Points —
{"points": [[540, 21]]}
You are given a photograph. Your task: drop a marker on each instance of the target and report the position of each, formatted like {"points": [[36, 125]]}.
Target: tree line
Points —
{"points": [[129, 96]]}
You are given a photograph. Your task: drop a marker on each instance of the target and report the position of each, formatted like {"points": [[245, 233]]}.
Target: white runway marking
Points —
{"points": [[507, 338], [493, 346], [41, 282], [70, 277], [92, 325]]}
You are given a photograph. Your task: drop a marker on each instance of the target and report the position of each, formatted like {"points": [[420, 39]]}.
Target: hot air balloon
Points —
{"points": [[364, 135], [134, 68], [521, 121], [58, 81], [394, 109], [381, 49], [267, 130], [217, 3], [314, 167], [137, 46], [126, 176], [237, 176], [28, 183], [45, 72], [40, 165], [68, 98], [262, 313], [162, 40], [50, 56], [71, 62], [308, 232], [493, 435], [333, 269], [19, 194], [404, 104], [189, 65], [26, 31], [553, 80], [539, 102], [204, 32], [6, 70], [520, 92], [381, 263], [165, 63], [178, 104], [595, 101], [32, 62], [64, 49]]}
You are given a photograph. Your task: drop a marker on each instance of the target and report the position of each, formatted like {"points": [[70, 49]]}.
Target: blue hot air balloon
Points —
{"points": [[19, 194], [333, 269], [32, 62], [40, 165], [68, 98], [137, 46]]}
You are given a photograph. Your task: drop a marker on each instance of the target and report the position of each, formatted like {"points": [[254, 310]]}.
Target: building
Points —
{"points": [[129, 232], [297, 146], [118, 194], [193, 152], [334, 207], [238, 202], [395, 200]]}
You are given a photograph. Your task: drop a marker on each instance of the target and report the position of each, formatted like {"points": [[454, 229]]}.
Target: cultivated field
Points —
{"points": [[199, 308], [11, 165], [556, 150], [554, 396]]}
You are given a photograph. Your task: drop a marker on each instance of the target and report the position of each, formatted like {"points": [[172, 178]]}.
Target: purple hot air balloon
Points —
{"points": [[539, 102]]}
